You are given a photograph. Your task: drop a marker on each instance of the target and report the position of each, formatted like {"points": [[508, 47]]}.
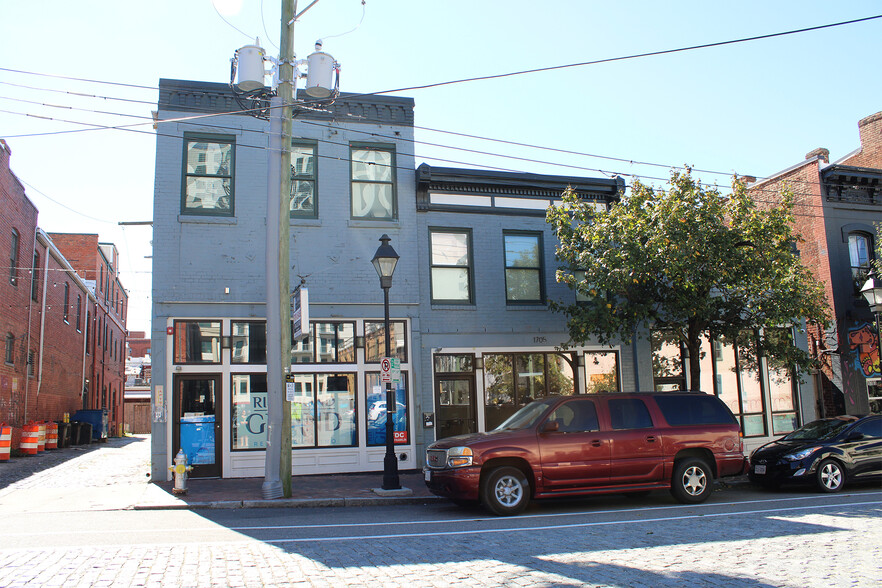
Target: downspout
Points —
{"points": [[28, 336]]}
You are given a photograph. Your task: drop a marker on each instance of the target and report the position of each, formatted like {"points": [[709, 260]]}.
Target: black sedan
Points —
{"points": [[827, 452]]}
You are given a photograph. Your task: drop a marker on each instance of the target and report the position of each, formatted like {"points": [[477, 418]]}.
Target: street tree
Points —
{"points": [[692, 263]]}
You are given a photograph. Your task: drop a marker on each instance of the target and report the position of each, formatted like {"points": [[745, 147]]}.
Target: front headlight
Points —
{"points": [[458, 457], [801, 454]]}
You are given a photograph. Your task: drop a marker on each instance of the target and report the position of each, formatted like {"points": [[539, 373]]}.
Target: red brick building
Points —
{"points": [[838, 213], [42, 315], [98, 263]]}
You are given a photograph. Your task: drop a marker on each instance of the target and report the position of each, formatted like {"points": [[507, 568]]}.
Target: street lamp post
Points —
{"points": [[872, 292], [384, 262]]}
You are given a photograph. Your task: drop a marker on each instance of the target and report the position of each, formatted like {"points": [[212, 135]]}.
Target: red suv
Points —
{"points": [[591, 444]]}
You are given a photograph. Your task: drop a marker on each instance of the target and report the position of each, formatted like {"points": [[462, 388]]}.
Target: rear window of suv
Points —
{"points": [[693, 409]]}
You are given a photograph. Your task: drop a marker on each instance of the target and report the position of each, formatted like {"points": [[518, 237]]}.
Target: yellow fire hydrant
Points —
{"points": [[180, 469]]}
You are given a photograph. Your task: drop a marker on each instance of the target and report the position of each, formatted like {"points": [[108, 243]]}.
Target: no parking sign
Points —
{"points": [[390, 370]]}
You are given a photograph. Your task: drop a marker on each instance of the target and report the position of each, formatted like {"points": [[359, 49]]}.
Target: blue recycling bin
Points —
{"points": [[97, 418], [197, 439]]}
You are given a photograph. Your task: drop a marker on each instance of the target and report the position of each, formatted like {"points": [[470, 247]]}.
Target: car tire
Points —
{"points": [[830, 476], [692, 481], [505, 491]]}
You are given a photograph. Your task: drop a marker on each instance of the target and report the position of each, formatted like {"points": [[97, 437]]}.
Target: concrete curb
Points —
{"points": [[292, 503]]}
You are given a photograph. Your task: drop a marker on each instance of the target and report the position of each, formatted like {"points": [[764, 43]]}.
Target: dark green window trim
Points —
{"points": [[361, 209], [300, 178], [225, 175]]}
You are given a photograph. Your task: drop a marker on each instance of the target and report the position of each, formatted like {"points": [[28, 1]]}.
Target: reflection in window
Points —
{"points": [[328, 342], [375, 341], [601, 371], [667, 361], [523, 268], [303, 180], [454, 393], [197, 342], [451, 267], [376, 410], [449, 364], [519, 378], [323, 411], [859, 256], [208, 176], [249, 342], [373, 183], [249, 411]]}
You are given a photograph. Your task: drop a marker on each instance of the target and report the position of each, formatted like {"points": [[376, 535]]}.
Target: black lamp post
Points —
{"points": [[384, 262], [872, 291]]}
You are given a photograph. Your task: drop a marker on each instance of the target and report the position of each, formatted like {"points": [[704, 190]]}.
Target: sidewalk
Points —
{"points": [[115, 476]]}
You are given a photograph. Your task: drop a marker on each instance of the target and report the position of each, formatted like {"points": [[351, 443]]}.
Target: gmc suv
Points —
{"points": [[591, 444]]}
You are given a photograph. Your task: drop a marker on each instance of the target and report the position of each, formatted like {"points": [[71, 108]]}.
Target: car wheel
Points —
{"points": [[506, 491], [830, 476], [692, 481]]}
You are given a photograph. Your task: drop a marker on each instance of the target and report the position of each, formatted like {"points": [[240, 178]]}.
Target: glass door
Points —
{"points": [[197, 422], [455, 399]]}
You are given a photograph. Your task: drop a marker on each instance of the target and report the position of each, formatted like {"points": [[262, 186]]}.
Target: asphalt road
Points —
{"points": [[741, 537]]}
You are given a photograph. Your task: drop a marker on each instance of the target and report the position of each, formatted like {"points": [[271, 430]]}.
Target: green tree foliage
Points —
{"points": [[690, 261]]}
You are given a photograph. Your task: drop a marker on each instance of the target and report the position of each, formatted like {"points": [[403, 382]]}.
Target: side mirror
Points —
{"points": [[550, 427]]}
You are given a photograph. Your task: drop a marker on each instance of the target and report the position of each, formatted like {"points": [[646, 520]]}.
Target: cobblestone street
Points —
{"points": [[741, 537]]}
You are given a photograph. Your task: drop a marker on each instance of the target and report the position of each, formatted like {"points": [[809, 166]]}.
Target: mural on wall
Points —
{"points": [[864, 342]]}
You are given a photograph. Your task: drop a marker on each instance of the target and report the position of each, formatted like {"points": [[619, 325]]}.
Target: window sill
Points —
{"points": [[304, 222], [372, 223], [442, 306], [527, 306], [207, 220]]}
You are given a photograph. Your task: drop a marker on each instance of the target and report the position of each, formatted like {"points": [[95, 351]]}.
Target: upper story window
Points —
{"points": [[208, 175], [304, 193], [13, 259], [373, 182], [859, 255], [451, 266], [10, 348], [65, 313], [35, 277], [523, 268]]}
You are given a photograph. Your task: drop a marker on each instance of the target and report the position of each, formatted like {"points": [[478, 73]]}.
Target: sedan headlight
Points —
{"points": [[801, 454], [458, 457]]}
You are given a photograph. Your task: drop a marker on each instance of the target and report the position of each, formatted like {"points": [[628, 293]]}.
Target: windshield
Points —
{"points": [[526, 417], [817, 430]]}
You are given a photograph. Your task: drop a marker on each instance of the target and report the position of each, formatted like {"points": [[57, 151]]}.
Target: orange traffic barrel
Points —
{"points": [[29, 439], [51, 435], [41, 439], [5, 441]]}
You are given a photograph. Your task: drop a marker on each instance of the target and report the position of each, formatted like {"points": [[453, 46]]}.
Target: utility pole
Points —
{"points": [[277, 480]]}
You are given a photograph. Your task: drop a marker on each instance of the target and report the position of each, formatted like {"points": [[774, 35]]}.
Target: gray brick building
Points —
{"points": [[469, 298]]}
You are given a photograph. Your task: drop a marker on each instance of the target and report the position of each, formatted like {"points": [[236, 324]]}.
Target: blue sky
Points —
{"points": [[752, 108]]}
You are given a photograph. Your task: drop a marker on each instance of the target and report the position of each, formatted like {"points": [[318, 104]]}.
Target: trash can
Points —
{"points": [[75, 427], [63, 434], [97, 418], [85, 433]]}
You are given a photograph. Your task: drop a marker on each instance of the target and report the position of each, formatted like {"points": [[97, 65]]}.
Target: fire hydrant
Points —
{"points": [[180, 469]]}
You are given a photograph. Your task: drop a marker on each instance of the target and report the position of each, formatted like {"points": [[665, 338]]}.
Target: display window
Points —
{"points": [[375, 393]]}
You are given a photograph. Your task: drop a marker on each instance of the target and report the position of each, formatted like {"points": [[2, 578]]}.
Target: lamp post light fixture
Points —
{"points": [[385, 260], [872, 292]]}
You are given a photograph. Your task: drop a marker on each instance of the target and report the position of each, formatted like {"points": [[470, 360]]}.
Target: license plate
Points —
{"points": [[760, 469], [428, 475]]}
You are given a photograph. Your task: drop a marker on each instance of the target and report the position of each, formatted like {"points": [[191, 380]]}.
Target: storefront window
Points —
{"points": [[601, 371], [249, 412], [376, 410], [531, 377], [328, 342], [323, 411], [197, 342], [781, 394], [375, 341], [667, 361], [249, 342]]}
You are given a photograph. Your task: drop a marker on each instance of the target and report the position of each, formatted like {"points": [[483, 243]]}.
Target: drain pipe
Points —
{"points": [[28, 336]]}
